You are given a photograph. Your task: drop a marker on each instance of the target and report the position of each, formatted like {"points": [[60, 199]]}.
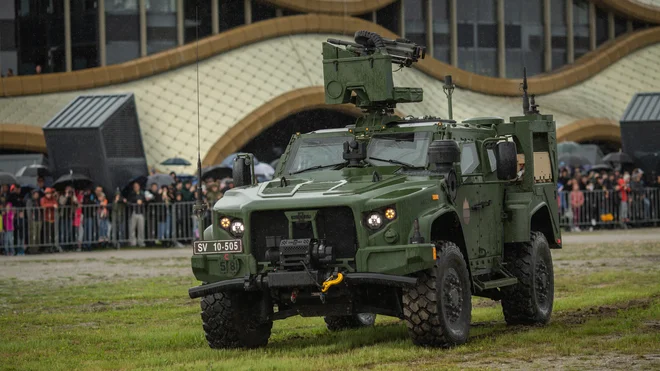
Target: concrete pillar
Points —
{"points": [[278, 12], [143, 28], [570, 32], [402, 20], [102, 47], [547, 35], [67, 34], [629, 26], [592, 26], [501, 39], [611, 31], [180, 16], [248, 11], [373, 16], [215, 17], [429, 27], [453, 32]]}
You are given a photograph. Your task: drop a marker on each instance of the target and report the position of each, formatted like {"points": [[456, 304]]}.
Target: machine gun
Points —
{"points": [[360, 72]]}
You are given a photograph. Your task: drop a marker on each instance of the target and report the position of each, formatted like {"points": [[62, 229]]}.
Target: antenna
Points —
{"points": [[448, 88], [200, 208], [525, 96]]}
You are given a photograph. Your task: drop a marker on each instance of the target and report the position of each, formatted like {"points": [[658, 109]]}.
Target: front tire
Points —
{"points": [[438, 310], [338, 323], [530, 301], [232, 320]]}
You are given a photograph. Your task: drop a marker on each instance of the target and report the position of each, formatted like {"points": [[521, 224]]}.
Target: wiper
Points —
{"points": [[393, 161], [317, 167]]}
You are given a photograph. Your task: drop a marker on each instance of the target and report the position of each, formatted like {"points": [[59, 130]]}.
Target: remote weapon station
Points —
{"points": [[404, 217]]}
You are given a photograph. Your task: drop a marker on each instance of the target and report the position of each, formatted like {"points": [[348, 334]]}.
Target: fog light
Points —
{"points": [[237, 228], [390, 214], [374, 221], [225, 222]]}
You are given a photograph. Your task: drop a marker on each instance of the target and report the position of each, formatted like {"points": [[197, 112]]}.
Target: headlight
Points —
{"points": [[225, 222], [390, 213], [374, 221], [237, 228]]}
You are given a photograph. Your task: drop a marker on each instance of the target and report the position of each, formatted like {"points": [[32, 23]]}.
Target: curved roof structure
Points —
{"points": [[284, 74]]}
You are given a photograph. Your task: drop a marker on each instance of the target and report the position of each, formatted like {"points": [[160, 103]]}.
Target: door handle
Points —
{"points": [[481, 205]]}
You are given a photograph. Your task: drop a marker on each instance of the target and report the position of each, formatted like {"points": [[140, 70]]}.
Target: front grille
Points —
{"points": [[335, 224]]}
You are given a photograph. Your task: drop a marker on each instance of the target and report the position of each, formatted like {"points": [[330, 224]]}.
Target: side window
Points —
{"points": [[491, 159], [469, 158]]}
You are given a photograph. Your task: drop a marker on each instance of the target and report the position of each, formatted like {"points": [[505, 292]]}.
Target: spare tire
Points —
{"points": [[369, 39]]}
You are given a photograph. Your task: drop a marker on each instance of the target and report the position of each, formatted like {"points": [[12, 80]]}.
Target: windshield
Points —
{"points": [[409, 148], [316, 152]]}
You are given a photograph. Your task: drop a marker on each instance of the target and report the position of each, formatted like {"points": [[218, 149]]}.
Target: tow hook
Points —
{"points": [[294, 296], [331, 281]]}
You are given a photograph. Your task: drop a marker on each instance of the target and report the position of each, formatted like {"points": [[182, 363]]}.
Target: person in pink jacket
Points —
{"points": [[8, 226]]}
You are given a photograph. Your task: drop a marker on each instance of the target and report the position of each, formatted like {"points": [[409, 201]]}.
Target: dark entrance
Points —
{"points": [[270, 144]]}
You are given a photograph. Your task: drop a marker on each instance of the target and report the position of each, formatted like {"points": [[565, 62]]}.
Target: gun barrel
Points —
{"points": [[342, 42]]}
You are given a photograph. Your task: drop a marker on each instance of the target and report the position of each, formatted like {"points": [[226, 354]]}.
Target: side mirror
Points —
{"points": [[243, 171], [506, 155]]}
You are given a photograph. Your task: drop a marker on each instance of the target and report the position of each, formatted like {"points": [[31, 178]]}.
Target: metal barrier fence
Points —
{"points": [[39, 229], [42, 229], [579, 209]]}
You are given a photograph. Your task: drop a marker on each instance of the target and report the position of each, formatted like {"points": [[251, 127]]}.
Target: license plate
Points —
{"points": [[217, 247]]}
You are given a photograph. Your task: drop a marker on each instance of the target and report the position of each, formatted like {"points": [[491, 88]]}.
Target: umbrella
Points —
{"points": [[33, 171], [176, 161], [264, 169], [618, 158], [573, 160], [229, 160], [160, 179], [601, 167], [217, 172], [78, 181], [141, 179], [567, 147], [26, 189], [7, 178]]}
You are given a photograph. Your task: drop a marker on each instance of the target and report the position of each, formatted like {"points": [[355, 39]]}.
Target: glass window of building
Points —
{"points": [[602, 34], [8, 55], [40, 36], [161, 25], [366, 16], [415, 21], [524, 37], [441, 33], [122, 26], [262, 11], [639, 25], [84, 34], [558, 28], [580, 27], [388, 17], [204, 20], [232, 14], [477, 36], [620, 26]]}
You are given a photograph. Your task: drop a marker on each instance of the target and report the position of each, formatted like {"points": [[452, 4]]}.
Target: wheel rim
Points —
{"points": [[453, 297], [366, 318], [542, 285]]}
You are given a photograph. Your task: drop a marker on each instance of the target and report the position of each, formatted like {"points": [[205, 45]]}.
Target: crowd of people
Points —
{"points": [[591, 199], [46, 219]]}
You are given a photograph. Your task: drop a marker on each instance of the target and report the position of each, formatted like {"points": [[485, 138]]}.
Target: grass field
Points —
{"points": [[606, 315]]}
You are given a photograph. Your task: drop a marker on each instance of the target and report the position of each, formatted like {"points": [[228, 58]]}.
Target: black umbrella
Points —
{"points": [[77, 181], [7, 178], [618, 158], [217, 172], [601, 167], [160, 179], [27, 188], [573, 160], [176, 161], [141, 179], [33, 171]]}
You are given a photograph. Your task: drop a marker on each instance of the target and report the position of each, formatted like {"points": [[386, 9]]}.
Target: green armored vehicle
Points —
{"points": [[404, 217]]}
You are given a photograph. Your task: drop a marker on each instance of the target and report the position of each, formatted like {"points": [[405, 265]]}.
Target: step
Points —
{"points": [[508, 281]]}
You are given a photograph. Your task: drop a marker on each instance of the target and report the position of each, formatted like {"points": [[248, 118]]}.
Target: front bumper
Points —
{"points": [[297, 279]]}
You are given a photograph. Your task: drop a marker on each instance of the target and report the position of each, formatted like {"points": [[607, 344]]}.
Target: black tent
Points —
{"points": [[640, 131], [97, 136]]}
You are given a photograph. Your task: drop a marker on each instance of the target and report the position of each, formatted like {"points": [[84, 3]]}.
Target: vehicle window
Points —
{"points": [[469, 158], [492, 159], [410, 148], [320, 151]]}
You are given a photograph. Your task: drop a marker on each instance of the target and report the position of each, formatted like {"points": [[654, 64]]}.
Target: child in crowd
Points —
{"points": [[8, 228]]}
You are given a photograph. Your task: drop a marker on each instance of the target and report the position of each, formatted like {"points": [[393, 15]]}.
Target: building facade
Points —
{"points": [[582, 55]]}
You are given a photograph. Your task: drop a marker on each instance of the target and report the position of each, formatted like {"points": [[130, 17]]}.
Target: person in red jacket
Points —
{"points": [[49, 205], [623, 187]]}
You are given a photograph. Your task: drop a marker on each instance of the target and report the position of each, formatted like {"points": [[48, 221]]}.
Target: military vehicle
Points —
{"points": [[397, 216]]}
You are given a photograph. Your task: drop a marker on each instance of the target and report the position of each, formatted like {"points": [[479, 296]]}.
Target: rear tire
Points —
{"points": [[438, 310], [338, 323], [530, 301], [232, 320]]}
